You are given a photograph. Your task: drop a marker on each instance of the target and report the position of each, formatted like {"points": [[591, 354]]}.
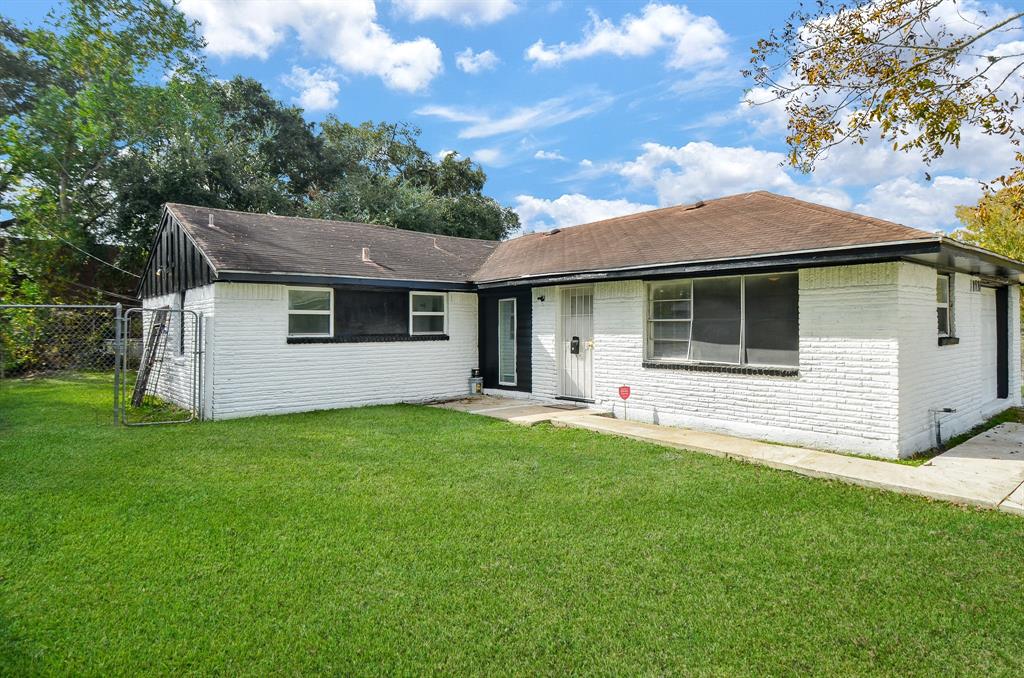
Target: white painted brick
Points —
{"points": [[257, 372], [933, 376], [869, 364], [846, 396], [172, 378]]}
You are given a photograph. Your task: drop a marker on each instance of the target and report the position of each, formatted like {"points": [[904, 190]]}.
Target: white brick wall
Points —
{"points": [[935, 377], [870, 366], [172, 378], [845, 397], [257, 372]]}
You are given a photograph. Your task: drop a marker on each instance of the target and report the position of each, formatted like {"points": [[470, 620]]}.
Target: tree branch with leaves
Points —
{"points": [[913, 72]]}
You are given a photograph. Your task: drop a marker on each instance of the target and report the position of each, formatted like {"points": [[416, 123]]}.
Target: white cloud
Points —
{"points": [[476, 62], [466, 12], [700, 169], [549, 155], [706, 80], [488, 156], [344, 32], [928, 206], [693, 40], [317, 89], [538, 214], [523, 118]]}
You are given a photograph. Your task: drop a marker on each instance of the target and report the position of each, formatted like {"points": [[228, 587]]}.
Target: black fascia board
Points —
{"points": [[334, 281], [860, 255]]}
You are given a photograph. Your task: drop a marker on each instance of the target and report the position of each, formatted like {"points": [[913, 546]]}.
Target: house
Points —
{"points": [[755, 314]]}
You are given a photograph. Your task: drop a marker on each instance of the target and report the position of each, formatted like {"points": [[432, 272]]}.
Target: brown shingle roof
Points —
{"points": [[745, 225], [738, 226], [264, 243]]}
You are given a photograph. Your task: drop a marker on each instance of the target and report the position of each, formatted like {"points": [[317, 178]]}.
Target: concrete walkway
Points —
{"points": [[986, 471], [523, 412]]}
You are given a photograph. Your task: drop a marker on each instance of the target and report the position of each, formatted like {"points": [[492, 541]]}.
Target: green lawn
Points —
{"points": [[409, 540]]}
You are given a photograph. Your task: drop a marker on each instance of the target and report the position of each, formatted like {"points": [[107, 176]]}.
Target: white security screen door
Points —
{"points": [[507, 342], [577, 342]]}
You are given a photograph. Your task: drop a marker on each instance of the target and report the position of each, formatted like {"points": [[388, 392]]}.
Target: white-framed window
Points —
{"points": [[736, 320], [507, 342], [428, 312], [310, 312], [944, 304]]}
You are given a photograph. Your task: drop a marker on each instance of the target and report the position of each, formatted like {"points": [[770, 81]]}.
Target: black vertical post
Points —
{"points": [[1002, 342]]}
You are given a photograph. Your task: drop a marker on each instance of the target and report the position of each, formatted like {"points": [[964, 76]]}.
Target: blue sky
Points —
{"points": [[577, 111]]}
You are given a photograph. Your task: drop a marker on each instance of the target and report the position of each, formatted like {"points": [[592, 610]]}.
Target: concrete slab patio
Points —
{"points": [[524, 412], [985, 471]]}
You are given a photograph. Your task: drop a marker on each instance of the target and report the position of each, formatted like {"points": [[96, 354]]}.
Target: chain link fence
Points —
{"points": [[147, 360], [47, 340]]}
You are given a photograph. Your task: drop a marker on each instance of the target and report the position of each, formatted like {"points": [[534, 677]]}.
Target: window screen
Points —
{"points": [[668, 321], [715, 335], [771, 331], [371, 312]]}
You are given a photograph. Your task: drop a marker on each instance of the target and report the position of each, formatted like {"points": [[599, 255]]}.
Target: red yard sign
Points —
{"points": [[624, 392]]}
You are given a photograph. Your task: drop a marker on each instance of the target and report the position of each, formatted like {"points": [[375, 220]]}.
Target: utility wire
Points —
{"points": [[88, 254]]}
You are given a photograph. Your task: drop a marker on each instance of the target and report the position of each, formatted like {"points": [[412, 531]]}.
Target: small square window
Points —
{"points": [[428, 312], [310, 312]]}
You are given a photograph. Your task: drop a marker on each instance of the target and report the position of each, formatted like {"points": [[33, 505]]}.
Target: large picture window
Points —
{"points": [[428, 312], [739, 320], [310, 312]]}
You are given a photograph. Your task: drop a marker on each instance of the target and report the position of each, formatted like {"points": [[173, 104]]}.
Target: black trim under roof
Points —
{"points": [[334, 280], [760, 264]]}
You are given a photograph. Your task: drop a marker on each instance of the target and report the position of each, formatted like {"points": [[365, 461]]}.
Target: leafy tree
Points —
{"points": [[914, 72], [241, 149], [379, 174], [79, 98], [107, 113], [995, 223]]}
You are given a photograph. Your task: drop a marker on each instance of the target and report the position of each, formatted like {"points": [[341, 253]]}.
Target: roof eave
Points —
{"points": [[874, 252], [285, 278]]}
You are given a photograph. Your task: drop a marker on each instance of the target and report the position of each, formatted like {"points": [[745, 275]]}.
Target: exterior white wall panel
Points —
{"points": [[172, 377], [256, 371], [870, 366]]}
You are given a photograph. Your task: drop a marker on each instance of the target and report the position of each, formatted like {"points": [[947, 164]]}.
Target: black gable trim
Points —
{"points": [[175, 263], [334, 281]]}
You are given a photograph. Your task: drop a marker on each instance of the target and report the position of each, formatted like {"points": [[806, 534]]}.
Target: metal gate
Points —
{"points": [[159, 372], [150, 359]]}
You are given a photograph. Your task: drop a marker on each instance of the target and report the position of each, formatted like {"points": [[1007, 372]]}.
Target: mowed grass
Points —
{"points": [[410, 540]]}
